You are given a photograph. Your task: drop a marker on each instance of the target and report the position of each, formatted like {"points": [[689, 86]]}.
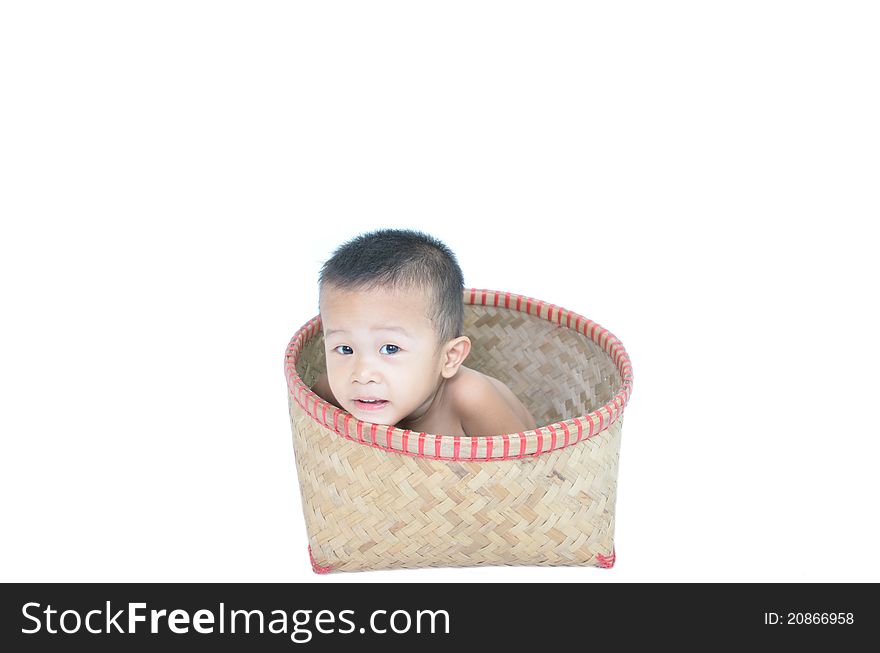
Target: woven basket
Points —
{"points": [[378, 497]]}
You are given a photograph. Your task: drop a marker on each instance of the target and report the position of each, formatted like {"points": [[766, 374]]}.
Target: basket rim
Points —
{"points": [[507, 446]]}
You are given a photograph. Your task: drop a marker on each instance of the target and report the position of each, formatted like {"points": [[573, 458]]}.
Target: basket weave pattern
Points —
{"points": [[378, 497]]}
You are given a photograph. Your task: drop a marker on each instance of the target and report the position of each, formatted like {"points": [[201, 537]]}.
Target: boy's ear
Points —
{"points": [[454, 354]]}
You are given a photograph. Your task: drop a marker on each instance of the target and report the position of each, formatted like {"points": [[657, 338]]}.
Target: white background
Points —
{"points": [[699, 178]]}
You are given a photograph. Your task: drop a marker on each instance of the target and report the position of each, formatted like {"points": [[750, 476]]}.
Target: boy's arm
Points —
{"points": [[484, 411]]}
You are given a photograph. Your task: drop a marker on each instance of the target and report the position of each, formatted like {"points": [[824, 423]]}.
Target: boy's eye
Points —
{"points": [[393, 349], [347, 349]]}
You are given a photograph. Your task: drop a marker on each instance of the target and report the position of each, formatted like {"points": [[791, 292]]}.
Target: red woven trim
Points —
{"points": [[598, 420], [318, 569], [606, 562]]}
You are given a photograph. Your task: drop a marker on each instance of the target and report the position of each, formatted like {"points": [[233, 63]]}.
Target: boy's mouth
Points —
{"points": [[370, 404]]}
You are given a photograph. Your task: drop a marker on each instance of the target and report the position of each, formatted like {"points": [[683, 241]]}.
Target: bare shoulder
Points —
{"points": [[487, 406], [472, 388]]}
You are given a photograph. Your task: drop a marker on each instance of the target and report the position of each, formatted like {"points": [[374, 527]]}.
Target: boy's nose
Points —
{"points": [[365, 372]]}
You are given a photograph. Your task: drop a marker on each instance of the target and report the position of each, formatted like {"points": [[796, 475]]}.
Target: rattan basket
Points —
{"points": [[377, 497]]}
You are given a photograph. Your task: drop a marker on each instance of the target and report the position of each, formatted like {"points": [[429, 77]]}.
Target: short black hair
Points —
{"points": [[402, 258]]}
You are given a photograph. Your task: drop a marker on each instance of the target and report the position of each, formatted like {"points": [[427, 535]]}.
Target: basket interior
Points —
{"points": [[555, 371]]}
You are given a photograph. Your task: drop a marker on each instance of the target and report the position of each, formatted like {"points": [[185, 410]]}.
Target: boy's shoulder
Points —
{"points": [[474, 381], [471, 387], [484, 404]]}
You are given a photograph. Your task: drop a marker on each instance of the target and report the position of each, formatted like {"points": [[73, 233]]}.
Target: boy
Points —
{"points": [[392, 313]]}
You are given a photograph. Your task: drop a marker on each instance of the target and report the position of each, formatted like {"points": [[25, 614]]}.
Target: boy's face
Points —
{"points": [[380, 344]]}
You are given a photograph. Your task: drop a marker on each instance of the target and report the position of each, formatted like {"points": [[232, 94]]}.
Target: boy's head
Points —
{"points": [[392, 312]]}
